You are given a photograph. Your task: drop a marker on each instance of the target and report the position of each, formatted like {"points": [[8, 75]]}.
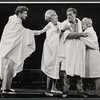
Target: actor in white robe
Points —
{"points": [[74, 64], [75, 53], [50, 58], [92, 66], [17, 43], [51, 55], [92, 52]]}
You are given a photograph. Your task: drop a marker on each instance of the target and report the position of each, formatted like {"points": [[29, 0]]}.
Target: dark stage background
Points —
{"points": [[35, 21]]}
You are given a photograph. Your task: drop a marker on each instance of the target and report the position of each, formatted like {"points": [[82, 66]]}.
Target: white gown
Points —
{"points": [[50, 57], [92, 65]]}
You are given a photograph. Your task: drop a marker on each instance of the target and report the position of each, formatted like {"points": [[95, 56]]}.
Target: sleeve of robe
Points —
{"points": [[91, 41]]}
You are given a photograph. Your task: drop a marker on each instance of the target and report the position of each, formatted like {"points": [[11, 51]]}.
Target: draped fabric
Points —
{"points": [[74, 64], [17, 43], [51, 55], [92, 69]]}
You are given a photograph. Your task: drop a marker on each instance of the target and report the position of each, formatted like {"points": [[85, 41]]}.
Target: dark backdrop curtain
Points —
{"points": [[35, 21]]}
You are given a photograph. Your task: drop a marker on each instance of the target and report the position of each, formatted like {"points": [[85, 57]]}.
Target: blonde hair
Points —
{"points": [[88, 21], [48, 14]]}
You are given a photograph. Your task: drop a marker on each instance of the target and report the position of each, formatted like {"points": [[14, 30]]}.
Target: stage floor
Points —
{"points": [[39, 93]]}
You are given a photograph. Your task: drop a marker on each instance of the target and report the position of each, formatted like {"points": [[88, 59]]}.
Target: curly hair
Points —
{"points": [[21, 9], [88, 21], [72, 9], [48, 14]]}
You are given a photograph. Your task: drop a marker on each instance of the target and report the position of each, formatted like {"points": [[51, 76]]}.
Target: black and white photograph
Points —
{"points": [[49, 50]]}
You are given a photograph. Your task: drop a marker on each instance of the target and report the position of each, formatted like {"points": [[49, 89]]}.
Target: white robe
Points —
{"points": [[92, 66], [51, 55], [17, 43], [74, 64]]}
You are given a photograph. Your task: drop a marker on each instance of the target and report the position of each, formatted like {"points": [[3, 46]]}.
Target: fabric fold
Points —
{"points": [[17, 43], [74, 63], [92, 65]]}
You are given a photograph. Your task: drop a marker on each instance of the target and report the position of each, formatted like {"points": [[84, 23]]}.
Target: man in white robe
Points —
{"points": [[74, 64], [17, 43]]}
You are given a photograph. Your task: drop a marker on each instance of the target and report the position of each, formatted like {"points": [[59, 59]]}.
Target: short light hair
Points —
{"points": [[21, 9], [72, 9], [88, 21], [48, 14]]}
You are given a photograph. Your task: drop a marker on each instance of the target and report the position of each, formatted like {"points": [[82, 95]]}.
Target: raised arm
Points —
{"points": [[43, 30], [64, 28], [75, 35]]}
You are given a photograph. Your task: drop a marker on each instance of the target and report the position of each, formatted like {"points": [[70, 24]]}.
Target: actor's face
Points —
{"points": [[54, 18], [71, 16], [24, 15], [84, 26]]}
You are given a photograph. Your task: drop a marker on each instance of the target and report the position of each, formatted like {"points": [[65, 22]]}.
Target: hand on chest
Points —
{"points": [[74, 27]]}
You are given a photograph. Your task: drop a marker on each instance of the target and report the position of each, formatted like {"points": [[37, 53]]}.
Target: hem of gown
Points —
{"points": [[49, 75], [74, 75], [91, 77]]}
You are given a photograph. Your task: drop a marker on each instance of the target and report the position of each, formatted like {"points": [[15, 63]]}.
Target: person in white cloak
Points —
{"points": [[74, 64], [50, 56], [92, 64], [17, 43]]}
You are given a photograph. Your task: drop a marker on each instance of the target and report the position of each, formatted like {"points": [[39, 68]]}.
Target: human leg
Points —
{"points": [[97, 85], [47, 92], [79, 86], [54, 82], [54, 89], [66, 84], [7, 76]]}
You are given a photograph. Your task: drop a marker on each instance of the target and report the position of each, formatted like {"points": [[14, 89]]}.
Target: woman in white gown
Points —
{"points": [[92, 66], [50, 56]]}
